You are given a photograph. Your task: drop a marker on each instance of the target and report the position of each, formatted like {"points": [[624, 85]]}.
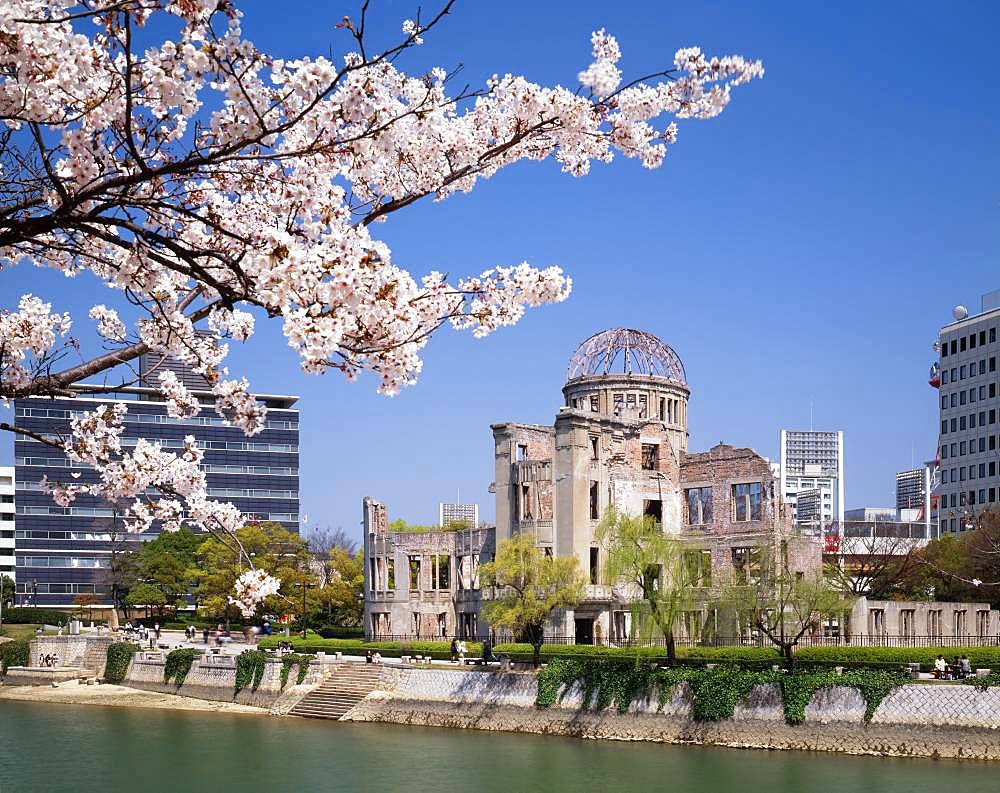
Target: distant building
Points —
{"points": [[422, 584], [453, 513], [911, 490], [809, 508], [966, 376], [7, 521], [63, 552], [869, 514], [813, 460]]}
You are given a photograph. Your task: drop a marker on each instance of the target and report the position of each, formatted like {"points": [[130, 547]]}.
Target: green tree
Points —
{"points": [[279, 552], [941, 570], [656, 565], [782, 605], [170, 562], [146, 596], [7, 590], [340, 592], [528, 586]]}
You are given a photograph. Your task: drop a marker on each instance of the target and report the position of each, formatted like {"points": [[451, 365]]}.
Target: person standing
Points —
{"points": [[204, 634], [454, 650]]}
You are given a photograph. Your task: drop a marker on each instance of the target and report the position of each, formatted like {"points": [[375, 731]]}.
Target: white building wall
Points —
{"points": [[801, 471], [7, 521]]}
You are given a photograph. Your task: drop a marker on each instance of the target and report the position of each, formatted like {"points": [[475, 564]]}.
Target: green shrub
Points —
{"points": [[14, 653], [250, 670], [340, 632], [179, 664], [119, 656], [22, 616], [715, 692], [439, 650]]}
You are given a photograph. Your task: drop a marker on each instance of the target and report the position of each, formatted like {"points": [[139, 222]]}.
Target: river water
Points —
{"points": [[48, 747]]}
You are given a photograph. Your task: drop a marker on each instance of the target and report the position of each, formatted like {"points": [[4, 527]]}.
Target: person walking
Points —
{"points": [[156, 630], [204, 634], [454, 650]]}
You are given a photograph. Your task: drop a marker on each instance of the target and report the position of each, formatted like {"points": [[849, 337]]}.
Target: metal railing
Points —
{"points": [[854, 640]]}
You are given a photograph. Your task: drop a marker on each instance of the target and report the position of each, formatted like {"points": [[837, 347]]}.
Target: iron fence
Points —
{"points": [[853, 640]]}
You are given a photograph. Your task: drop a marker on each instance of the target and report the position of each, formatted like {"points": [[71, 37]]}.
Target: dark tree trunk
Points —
{"points": [[671, 648]]}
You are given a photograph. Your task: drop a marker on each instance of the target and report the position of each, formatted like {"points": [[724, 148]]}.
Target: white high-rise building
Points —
{"points": [[814, 460], [449, 513], [7, 521]]}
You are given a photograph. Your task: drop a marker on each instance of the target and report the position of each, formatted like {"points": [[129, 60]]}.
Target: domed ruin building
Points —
{"points": [[621, 439]]}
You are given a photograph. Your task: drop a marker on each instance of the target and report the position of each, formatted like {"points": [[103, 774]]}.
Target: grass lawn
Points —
{"points": [[21, 631]]}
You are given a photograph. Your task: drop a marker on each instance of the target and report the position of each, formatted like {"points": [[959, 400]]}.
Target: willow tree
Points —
{"points": [[527, 586], [655, 565], [782, 604]]}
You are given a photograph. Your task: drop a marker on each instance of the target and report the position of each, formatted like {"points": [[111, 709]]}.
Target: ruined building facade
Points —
{"points": [[422, 584], [621, 439]]}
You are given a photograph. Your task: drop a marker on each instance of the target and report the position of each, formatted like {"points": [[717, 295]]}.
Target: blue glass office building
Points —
{"points": [[62, 552]]}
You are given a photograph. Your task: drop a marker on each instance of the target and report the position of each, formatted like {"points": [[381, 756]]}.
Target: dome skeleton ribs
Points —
{"points": [[625, 351]]}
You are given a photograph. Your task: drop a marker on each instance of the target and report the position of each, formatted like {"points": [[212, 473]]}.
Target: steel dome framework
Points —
{"points": [[625, 351]]}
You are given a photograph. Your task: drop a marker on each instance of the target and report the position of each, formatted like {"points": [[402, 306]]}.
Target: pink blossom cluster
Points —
{"points": [[251, 589], [208, 182], [26, 337]]}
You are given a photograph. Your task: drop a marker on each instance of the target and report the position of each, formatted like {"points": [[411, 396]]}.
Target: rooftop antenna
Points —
{"points": [[810, 415]]}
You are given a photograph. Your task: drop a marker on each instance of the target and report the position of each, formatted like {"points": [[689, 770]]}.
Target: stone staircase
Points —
{"points": [[346, 687]]}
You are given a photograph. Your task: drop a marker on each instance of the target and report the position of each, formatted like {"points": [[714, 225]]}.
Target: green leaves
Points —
{"points": [[528, 586], [250, 670], [179, 664], [715, 691], [118, 658]]}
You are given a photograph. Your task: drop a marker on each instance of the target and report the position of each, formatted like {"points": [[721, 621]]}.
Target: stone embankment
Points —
{"points": [[915, 720], [213, 677]]}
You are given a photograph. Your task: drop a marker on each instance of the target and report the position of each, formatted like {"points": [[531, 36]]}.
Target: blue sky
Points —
{"points": [[802, 248]]}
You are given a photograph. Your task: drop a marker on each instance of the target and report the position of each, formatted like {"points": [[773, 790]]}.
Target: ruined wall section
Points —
{"points": [[520, 453], [722, 468]]}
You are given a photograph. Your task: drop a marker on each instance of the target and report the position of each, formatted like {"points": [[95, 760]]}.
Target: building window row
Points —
{"points": [[971, 421], [957, 398], [963, 343], [151, 418], [963, 473], [971, 446], [232, 446], [956, 373], [969, 498], [104, 512], [83, 563], [256, 470]]}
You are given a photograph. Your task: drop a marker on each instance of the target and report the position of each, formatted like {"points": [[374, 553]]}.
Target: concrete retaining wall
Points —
{"points": [[87, 652], [918, 720], [213, 677]]}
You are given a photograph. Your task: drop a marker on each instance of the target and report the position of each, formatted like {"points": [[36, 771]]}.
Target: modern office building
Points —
{"points": [[453, 513], [809, 507], [813, 460], [966, 378], [65, 551], [911, 489], [870, 514], [7, 521]]}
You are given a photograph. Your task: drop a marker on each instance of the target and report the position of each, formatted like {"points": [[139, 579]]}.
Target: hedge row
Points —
{"points": [[851, 657], [750, 657], [26, 616], [438, 650], [14, 653]]}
